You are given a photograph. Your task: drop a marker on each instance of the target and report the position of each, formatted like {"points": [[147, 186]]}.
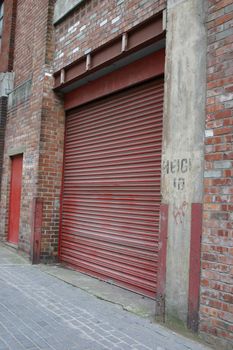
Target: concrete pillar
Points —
{"points": [[6, 83], [62, 7], [184, 116]]}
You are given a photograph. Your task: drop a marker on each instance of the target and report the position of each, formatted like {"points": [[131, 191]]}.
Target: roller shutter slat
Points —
{"points": [[124, 224], [111, 190], [74, 241]]}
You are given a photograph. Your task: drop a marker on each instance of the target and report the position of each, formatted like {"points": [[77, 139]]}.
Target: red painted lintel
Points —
{"points": [[161, 278], [136, 72], [37, 226], [194, 266]]}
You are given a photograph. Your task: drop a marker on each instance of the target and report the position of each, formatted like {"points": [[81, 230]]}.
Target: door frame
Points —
{"points": [[12, 157]]}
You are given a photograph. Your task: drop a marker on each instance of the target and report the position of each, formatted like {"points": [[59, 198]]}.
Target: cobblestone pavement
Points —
{"points": [[38, 311]]}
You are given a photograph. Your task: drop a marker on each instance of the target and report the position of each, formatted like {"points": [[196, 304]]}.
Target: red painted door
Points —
{"points": [[15, 199], [111, 190]]}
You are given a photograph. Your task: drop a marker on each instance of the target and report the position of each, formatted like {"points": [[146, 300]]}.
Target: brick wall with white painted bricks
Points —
{"points": [[216, 301], [35, 127], [31, 104], [96, 22], [21, 133], [93, 24], [35, 122]]}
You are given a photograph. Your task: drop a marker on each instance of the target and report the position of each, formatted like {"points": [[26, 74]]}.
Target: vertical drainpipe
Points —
{"points": [[182, 158]]}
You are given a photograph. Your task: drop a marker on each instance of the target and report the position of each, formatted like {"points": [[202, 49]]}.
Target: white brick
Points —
{"points": [[77, 23], [75, 50], [71, 29], [209, 133], [103, 23], [116, 19], [225, 97], [222, 164], [212, 173], [83, 28]]}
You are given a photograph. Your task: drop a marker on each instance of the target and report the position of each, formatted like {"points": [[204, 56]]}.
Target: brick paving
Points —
{"points": [[38, 311]]}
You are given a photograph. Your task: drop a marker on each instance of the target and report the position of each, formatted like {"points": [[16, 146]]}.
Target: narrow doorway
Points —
{"points": [[15, 198]]}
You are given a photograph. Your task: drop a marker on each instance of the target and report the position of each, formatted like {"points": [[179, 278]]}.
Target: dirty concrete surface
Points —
{"points": [[43, 307]]}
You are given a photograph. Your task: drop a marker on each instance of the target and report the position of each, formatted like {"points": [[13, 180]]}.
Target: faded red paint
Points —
{"points": [[139, 71], [15, 199], [111, 195], [38, 215], [161, 284], [61, 196], [195, 266], [142, 36]]}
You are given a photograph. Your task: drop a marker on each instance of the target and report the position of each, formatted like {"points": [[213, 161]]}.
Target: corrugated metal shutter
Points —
{"points": [[111, 194]]}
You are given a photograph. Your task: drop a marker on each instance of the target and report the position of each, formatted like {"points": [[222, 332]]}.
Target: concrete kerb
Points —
{"points": [[132, 302]]}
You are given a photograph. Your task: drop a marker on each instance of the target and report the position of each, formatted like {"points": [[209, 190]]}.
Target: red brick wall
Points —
{"points": [[97, 21], [26, 30], [7, 46], [22, 134], [35, 126], [23, 123], [50, 170], [216, 310], [51, 151]]}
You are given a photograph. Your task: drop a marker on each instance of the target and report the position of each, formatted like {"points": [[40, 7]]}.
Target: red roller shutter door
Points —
{"points": [[111, 190]]}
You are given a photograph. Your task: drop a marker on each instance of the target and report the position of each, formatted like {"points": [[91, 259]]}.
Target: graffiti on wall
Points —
{"points": [[177, 167], [179, 212]]}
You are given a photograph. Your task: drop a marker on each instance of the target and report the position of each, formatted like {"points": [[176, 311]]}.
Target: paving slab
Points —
{"points": [[41, 311], [129, 301], [9, 256]]}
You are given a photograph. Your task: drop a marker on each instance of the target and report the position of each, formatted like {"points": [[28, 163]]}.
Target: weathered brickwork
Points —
{"points": [[216, 310], [96, 22], [25, 36], [52, 117], [32, 106], [7, 46], [21, 136], [22, 128], [35, 123], [35, 127], [51, 137]]}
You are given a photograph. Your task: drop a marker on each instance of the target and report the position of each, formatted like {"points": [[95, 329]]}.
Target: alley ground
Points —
{"points": [[40, 311]]}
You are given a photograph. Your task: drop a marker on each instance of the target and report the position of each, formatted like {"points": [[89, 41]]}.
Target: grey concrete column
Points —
{"points": [[184, 116], [6, 83], [63, 7]]}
